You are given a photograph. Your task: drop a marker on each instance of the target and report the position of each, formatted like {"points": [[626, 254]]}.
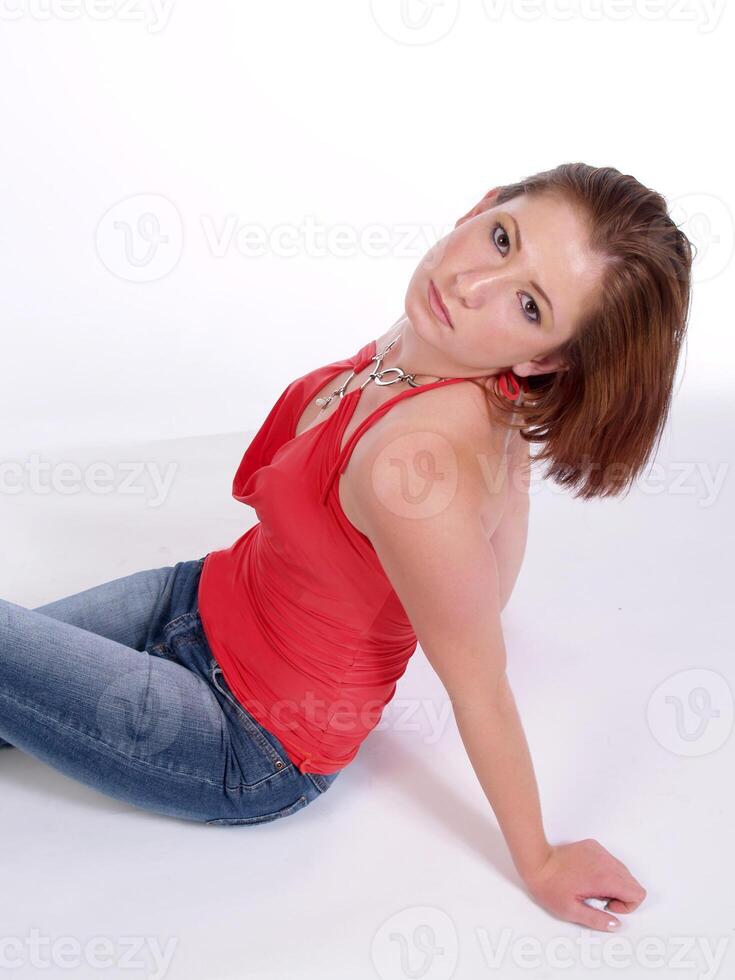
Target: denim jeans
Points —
{"points": [[117, 687]]}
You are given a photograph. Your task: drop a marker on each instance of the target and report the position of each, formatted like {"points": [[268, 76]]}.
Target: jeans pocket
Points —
{"points": [[258, 755], [262, 818]]}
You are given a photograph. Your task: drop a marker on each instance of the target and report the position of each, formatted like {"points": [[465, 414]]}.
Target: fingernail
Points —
{"points": [[612, 924]]}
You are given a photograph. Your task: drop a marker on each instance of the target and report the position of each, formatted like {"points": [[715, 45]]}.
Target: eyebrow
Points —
{"points": [[520, 246]]}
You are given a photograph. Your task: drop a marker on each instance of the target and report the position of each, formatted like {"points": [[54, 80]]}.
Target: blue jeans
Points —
{"points": [[117, 687]]}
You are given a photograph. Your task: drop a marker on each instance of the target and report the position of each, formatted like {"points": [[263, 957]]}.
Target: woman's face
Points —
{"points": [[515, 280]]}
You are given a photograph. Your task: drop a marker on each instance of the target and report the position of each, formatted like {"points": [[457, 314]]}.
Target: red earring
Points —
{"points": [[505, 379]]}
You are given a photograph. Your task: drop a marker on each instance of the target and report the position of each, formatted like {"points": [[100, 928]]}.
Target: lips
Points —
{"points": [[435, 295]]}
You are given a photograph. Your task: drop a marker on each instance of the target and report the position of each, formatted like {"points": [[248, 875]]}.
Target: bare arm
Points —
{"points": [[436, 552], [444, 570], [493, 736]]}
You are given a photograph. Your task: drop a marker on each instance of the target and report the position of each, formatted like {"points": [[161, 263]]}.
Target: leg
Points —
{"points": [[143, 729], [124, 609]]}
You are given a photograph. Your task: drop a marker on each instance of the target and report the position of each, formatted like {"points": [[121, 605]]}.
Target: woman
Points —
{"points": [[233, 689]]}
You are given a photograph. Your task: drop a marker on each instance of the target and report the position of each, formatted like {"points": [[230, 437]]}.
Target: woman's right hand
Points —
{"points": [[584, 869]]}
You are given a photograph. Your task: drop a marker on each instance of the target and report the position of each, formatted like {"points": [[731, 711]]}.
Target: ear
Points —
{"points": [[541, 365], [487, 202]]}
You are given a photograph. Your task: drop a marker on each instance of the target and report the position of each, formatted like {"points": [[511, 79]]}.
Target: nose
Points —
{"points": [[473, 289]]}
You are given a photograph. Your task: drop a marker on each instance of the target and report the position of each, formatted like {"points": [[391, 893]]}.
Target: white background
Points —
{"points": [[277, 114], [348, 116]]}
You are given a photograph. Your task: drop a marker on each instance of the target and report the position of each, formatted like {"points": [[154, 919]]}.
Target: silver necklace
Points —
{"points": [[375, 375]]}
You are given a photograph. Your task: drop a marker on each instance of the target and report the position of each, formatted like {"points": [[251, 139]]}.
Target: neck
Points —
{"points": [[416, 357]]}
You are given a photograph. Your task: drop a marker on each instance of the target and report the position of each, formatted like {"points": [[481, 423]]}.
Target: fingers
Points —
{"points": [[594, 918], [617, 905], [614, 905], [628, 894]]}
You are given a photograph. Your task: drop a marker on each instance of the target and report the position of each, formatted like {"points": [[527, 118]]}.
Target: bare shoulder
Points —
{"points": [[439, 448], [458, 411]]}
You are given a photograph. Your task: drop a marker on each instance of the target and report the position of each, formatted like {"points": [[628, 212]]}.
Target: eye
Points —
{"points": [[503, 234], [528, 305]]}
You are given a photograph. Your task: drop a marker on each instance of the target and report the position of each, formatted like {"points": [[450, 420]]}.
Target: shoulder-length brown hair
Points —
{"points": [[601, 419]]}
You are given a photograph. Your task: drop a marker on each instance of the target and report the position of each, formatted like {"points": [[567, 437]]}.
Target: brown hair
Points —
{"points": [[601, 419]]}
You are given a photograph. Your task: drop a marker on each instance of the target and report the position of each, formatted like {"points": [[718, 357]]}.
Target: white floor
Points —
{"points": [[620, 647]]}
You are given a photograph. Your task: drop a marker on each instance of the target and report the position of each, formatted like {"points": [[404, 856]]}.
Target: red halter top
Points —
{"points": [[300, 615]]}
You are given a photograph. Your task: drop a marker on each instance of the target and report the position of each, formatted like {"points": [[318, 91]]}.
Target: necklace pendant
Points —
{"points": [[401, 376], [376, 376]]}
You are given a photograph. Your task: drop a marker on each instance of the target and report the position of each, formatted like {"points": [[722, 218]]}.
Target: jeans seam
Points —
{"points": [[174, 622], [134, 760], [318, 784], [285, 811], [251, 725]]}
